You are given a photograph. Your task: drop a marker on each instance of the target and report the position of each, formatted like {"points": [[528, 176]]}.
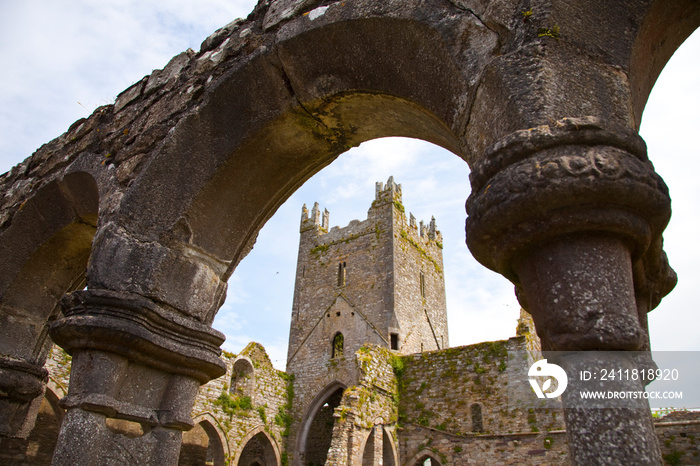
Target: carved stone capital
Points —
{"points": [[133, 359], [136, 328], [569, 177]]}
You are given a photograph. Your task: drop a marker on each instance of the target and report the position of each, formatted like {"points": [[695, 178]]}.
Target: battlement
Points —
{"points": [[389, 193], [425, 231], [316, 222]]}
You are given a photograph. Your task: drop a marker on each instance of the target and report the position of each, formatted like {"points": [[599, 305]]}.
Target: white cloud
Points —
{"points": [[67, 58]]}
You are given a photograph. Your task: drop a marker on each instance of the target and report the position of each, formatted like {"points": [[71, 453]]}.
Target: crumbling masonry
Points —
{"points": [[153, 201]]}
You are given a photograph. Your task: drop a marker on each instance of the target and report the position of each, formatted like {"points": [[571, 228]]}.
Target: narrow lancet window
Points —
{"points": [[477, 420], [341, 274], [338, 342], [422, 285]]}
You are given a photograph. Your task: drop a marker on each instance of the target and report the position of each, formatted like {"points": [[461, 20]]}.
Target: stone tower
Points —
{"points": [[377, 281]]}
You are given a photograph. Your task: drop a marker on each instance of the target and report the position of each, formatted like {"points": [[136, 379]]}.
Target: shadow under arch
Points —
{"points": [[330, 396], [52, 398], [258, 448], [45, 253]]}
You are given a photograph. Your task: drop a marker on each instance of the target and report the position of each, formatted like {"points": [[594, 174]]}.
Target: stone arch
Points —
{"points": [[243, 378], [422, 457], [205, 444], [388, 448], [318, 423], [367, 448], [288, 134], [258, 448], [390, 451], [664, 28], [45, 253]]}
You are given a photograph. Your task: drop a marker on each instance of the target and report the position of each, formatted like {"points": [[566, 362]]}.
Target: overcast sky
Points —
{"points": [[63, 59]]}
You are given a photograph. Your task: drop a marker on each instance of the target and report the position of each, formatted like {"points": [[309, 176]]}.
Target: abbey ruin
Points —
{"points": [[117, 238], [370, 378]]}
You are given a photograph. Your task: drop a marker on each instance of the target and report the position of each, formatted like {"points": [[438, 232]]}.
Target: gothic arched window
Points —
{"points": [[337, 349]]}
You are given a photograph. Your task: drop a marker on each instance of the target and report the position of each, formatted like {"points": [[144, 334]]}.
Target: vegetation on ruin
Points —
{"points": [[673, 458], [283, 418], [233, 404], [552, 32], [262, 414], [420, 249], [320, 248]]}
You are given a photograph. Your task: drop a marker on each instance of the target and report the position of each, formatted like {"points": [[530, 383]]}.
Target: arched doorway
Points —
{"points": [[384, 446], [317, 428], [427, 460], [258, 451], [202, 446]]}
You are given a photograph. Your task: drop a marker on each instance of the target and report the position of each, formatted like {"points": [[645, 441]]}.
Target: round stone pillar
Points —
{"points": [[135, 372], [572, 214]]}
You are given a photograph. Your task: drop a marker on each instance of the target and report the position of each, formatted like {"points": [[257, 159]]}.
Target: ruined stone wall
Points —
{"points": [[236, 418], [679, 437], [230, 420], [459, 396], [372, 402], [548, 449], [421, 402], [37, 449]]}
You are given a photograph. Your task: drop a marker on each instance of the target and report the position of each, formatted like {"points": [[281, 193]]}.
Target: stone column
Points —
{"points": [[22, 386], [135, 373], [378, 445], [572, 214]]}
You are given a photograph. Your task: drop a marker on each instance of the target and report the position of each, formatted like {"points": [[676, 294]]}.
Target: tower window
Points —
{"points": [[422, 285], [341, 274], [477, 420], [394, 341], [337, 349]]}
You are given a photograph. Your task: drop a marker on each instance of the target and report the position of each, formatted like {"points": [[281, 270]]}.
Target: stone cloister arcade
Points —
{"points": [[118, 237]]}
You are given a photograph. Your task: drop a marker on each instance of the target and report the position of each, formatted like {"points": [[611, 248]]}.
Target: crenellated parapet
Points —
{"points": [[317, 221], [391, 192]]}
